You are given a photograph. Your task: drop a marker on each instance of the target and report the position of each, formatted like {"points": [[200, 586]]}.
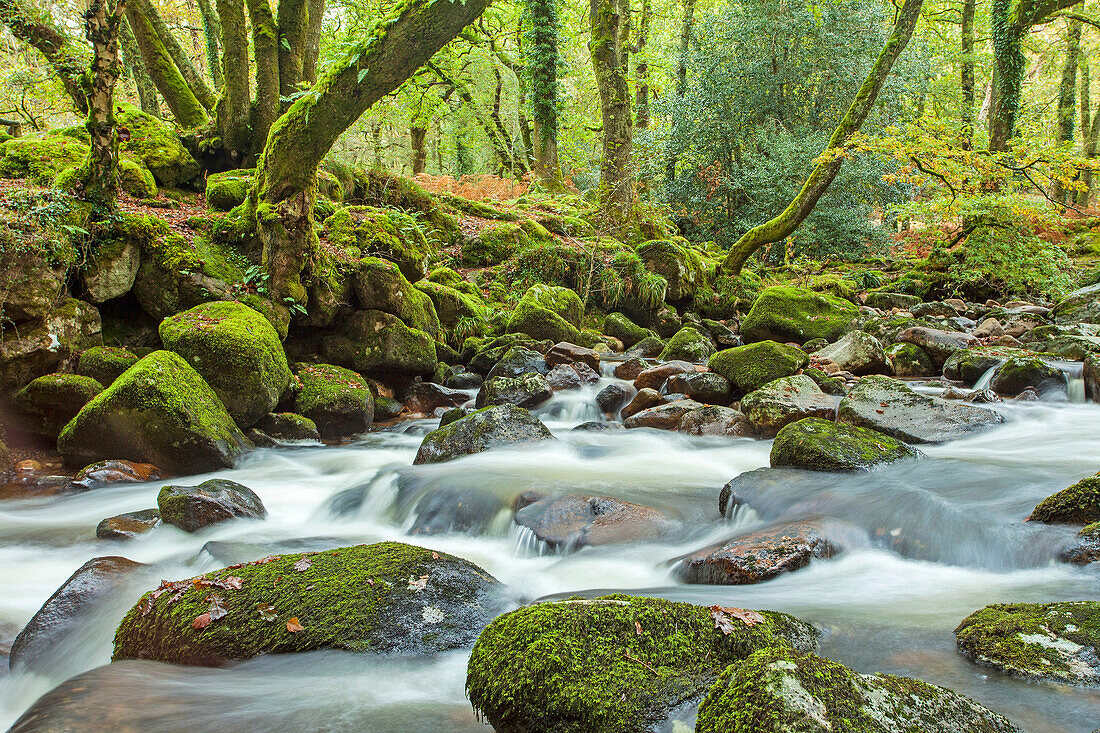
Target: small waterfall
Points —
{"points": [[1074, 372], [526, 544], [983, 381]]}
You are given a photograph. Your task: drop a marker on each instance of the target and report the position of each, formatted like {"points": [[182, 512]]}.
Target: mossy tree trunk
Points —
{"points": [[966, 63], [641, 71], [265, 43], [293, 30], [609, 24], [101, 27], [212, 31], [285, 185], [832, 157], [313, 41], [235, 105], [418, 136], [135, 67], [686, 26], [179, 97], [543, 59], [1067, 95], [68, 58], [1090, 130], [182, 60]]}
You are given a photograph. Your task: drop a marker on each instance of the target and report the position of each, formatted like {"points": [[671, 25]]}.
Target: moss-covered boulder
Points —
{"points": [[617, 325], [778, 690], [1055, 641], [40, 348], [337, 400], [856, 352], [820, 445], [527, 390], [614, 664], [383, 344], [792, 314], [136, 179], [548, 312], [161, 412], [40, 158], [676, 261], [383, 598], [380, 285], [750, 367], [970, 365], [886, 301], [1017, 373], [105, 364], [192, 508], [236, 351], [48, 403], [496, 243], [688, 344], [784, 401], [909, 360], [228, 189], [389, 235], [288, 426], [453, 306], [155, 143], [1077, 504], [111, 267], [491, 427]]}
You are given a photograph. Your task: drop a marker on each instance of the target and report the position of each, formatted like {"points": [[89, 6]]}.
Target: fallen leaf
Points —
{"points": [[418, 584], [266, 611], [637, 628], [435, 555], [218, 607], [722, 618], [293, 626], [303, 565], [201, 622]]}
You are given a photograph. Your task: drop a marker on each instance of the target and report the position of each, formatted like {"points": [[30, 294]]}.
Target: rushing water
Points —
{"points": [[926, 543]]}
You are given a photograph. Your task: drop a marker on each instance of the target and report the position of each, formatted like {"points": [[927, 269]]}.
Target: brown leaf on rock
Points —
{"points": [[637, 628], [293, 626], [723, 616], [418, 584], [303, 565], [201, 622], [266, 611], [218, 607]]}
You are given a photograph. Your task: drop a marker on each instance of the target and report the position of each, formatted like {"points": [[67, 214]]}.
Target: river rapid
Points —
{"points": [[925, 544]]}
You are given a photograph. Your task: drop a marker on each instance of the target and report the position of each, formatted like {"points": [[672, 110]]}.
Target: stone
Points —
{"points": [[576, 521], [723, 336], [888, 301], [989, 328], [518, 361], [111, 270], [757, 556], [662, 417], [128, 526], [706, 387], [1073, 342], [1017, 373], [283, 426], [105, 364], [783, 313], [337, 400], [630, 369], [1086, 548], [237, 351], [49, 402], [750, 367], [654, 377], [893, 408], [594, 426], [677, 262], [933, 310], [786, 400], [715, 420], [385, 598], [644, 399], [161, 412], [527, 391], [380, 286], [970, 365], [464, 380], [856, 352], [937, 343], [427, 396], [820, 445], [192, 508], [563, 377], [548, 312], [690, 345], [374, 341], [647, 348], [614, 396], [109, 473], [32, 351], [1080, 306], [1037, 641], [619, 326], [492, 427], [566, 353], [1077, 504]]}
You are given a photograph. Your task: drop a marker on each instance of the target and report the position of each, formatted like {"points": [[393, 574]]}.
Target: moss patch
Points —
{"points": [[337, 400], [822, 445], [1077, 504], [749, 368], [793, 314]]}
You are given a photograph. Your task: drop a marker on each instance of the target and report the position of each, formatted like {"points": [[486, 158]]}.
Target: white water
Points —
{"points": [[926, 544]]}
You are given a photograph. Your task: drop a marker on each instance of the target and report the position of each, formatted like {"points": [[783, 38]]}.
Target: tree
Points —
{"points": [[543, 59], [832, 157], [68, 58], [966, 48], [609, 45], [100, 181]]}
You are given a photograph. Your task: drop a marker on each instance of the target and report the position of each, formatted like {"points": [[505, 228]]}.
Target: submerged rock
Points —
{"points": [[780, 690], [107, 473], [1017, 373], [615, 664], [490, 427], [820, 445], [385, 598], [1055, 641], [572, 522], [192, 508], [662, 417], [758, 555], [715, 420]]}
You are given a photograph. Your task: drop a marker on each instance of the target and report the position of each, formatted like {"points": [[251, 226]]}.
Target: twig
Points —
{"points": [[639, 661]]}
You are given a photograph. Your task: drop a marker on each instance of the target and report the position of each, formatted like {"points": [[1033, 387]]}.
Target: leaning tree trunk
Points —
{"points": [[609, 24], [100, 180], [135, 67], [966, 49], [234, 106], [194, 78], [824, 172], [67, 57], [179, 97], [285, 186]]}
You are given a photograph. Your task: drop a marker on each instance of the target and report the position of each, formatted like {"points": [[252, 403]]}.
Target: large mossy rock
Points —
{"points": [[451, 304], [785, 313], [970, 365], [48, 403], [380, 343], [228, 189], [40, 158], [1080, 306], [778, 690], [155, 143], [786, 400], [384, 598], [1020, 372], [820, 445], [491, 427], [548, 312], [681, 266], [688, 344], [893, 408], [105, 364], [36, 349], [337, 400], [160, 411], [388, 235], [1054, 641], [527, 390], [618, 325], [380, 285], [749, 368], [614, 664], [112, 265], [192, 508], [1077, 504], [237, 352]]}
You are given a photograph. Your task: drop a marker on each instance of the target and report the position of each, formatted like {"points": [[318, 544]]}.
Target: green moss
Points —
{"points": [[793, 314], [154, 142], [450, 278], [337, 400], [548, 312], [136, 180], [1056, 641], [389, 235], [380, 342], [225, 191], [822, 445], [48, 403], [494, 244], [1078, 504], [688, 344], [105, 364], [750, 367], [40, 158], [1018, 372], [619, 326], [679, 263], [479, 209], [289, 426], [611, 664], [352, 598], [380, 285], [388, 191]]}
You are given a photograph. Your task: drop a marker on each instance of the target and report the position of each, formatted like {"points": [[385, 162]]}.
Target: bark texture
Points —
{"points": [[178, 96], [610, 32], [234, 110], [135, 67], [101, 26]]}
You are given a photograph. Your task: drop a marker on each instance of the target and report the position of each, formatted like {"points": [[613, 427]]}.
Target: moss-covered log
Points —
{"points": [[33, 26], [825, 171]]}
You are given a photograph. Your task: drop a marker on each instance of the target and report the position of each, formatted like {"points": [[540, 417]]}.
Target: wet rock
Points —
{"points": [[690, 345], [427, 396], [937, 343], [1067, 342], [161, 412], [630, 369], [989, 328], [856, 352], [1080, 306], [493, 427], [108, 473], [666, 321], [384, 598], [933, 310], [517, 361], [289, 426], [970, 365], [48, 403], [785, 401], [715, 420], [706, 387], [192, 508], [572, 666], [383, 344], [36, 349], [1077, 504], [563, 377], [654, 377], [567, 353], [757, 556], [1017, 373], [614, 396], [749, 368], [587, 374], [820, 445], [129, 525], [337, 400], [594, 426], [662, 417], [893, 408], [782, 691], [622, 328], [1053, 641], [572, 522], [784, 313], [889, 301], [528, 390], [829, 385], [643, 400], [464, 380], [446, 510], [647, 348], [63, 613]]}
